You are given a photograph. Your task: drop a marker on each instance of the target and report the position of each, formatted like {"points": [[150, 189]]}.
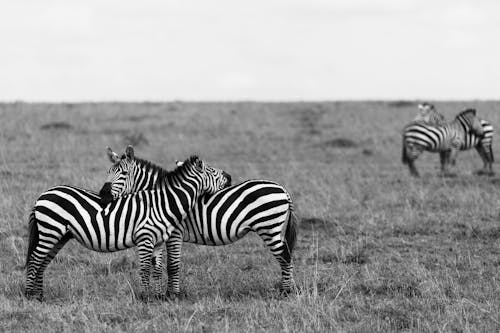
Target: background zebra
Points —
{"points": [[446, 139], [483, 144], [220, 218], [428, 115], [145, 219]]}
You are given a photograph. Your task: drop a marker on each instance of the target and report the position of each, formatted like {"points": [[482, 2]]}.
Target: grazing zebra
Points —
{"points": [[145, 219], [217, 219], [446, 139], [483, 144]]}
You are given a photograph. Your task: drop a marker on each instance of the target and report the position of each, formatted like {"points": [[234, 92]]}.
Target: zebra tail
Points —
{"points": [[290, 233], [32, 236]]}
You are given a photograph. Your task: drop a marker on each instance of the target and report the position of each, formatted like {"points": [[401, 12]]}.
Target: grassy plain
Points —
{"points": [[377, 250]]}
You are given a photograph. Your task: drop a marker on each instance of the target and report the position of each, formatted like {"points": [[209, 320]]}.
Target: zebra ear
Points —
{"points": [[113, 157], [129, 152], [179, 163]]}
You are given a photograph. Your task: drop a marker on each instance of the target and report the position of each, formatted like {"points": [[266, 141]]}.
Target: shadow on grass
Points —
{"points": [[339, 143], [56, 126], [389, 288], [356, 255], [401, 104], [464, 232], [316, 222]]}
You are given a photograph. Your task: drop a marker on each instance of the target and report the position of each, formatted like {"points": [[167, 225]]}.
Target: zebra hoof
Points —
{"points": [[173, 296], [34, 296], [144, 297], [285, 291]]}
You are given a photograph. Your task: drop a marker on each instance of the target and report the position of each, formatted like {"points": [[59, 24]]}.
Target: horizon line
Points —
{"points": [[167, 101]]}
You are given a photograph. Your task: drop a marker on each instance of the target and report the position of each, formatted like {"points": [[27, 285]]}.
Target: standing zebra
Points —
{"points": [[446, 139], [217, 219], [145, 219], [483, 144]]}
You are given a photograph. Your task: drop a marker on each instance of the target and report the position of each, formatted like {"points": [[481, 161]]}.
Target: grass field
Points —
{"points": [[377, 250]]}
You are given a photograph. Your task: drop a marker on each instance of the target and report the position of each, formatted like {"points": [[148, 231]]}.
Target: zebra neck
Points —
{"points": [[150, 180], [463, 124], [182, 193]]}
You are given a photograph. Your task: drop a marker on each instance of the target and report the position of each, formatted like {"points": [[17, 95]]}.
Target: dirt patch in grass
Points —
{"points": [[367, 152], [401, 104], [389, 288], [340, 143], [316, 222], [356, 257], [56, 126], [139, 118]]}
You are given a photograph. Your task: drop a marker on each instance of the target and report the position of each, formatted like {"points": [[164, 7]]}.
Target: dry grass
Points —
{"points": [[377, 250]]}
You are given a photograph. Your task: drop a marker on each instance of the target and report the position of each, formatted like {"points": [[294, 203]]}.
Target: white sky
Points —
{"points": [[67, 50]]}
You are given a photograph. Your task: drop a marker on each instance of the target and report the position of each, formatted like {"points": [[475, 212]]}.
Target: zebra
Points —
{"points": [[446, 139], [483, 144], [145, 219], [428, 115], [220, 218]]}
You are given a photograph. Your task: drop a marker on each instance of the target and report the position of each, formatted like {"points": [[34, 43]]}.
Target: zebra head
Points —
{"points": [[120, 179], [471, 122], [429, 115], [210, 179]]}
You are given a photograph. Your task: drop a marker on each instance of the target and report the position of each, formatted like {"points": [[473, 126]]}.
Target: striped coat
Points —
{"points": [[222, 218], [145, 219], [446, 139]]}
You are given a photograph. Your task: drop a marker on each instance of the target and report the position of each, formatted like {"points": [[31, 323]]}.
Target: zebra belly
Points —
{"points": [[206, 240]]}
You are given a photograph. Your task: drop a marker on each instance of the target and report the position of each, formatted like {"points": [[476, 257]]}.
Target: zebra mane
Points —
{"points": [[465, 112], [163, 174], [187, 164], [149, 166], [179, 170]]}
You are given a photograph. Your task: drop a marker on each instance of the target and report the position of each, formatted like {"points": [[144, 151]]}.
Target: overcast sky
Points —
{"points": [[249, 50]]}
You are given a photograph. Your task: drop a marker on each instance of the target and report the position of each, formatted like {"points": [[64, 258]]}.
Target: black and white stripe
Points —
{"points": [[144, 219], [224, 217], [483, 144], [446, 139]]}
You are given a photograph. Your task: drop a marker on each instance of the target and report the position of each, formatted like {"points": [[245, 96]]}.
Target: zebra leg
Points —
{"points": [[483, 153], [491, 158], [443, 157], [451, 156], [412, 153], [283, 253], [157, 262], [286, 274], [38, 262], [145, 251], [174, 246]]}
